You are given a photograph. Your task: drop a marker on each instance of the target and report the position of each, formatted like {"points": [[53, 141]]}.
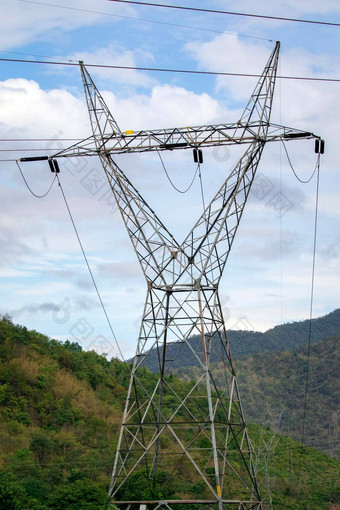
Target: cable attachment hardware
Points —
{"points": [[319, 146], [34, 158], [198, 155], [54, 166]]}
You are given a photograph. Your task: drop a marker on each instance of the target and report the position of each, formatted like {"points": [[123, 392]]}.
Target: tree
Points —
{"points": [[79, 495], [12, 494]]}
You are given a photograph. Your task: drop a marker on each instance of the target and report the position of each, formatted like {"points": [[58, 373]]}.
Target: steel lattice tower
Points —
{"points": [[174, 436]]}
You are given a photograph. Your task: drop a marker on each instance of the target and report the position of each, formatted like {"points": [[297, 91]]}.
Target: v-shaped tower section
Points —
{"points": [[184, 443]]}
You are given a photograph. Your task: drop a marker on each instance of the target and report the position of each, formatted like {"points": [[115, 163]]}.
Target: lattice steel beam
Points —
{"points": [[239, 133], [184, 443], [201, 429]]}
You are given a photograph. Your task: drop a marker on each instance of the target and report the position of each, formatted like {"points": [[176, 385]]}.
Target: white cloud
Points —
{"points": [[288, 8], [36, 112], [27, 22], [117, 55], [329, 204], [38, 233], [119, 271], [33, 112], [298, 103], [14, 273], [166, 106], [227, 53], [305, 105], [40, 250]]}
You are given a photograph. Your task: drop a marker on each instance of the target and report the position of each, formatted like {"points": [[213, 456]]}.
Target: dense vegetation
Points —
{"points": [[60, 411], [273, 386], [277, 382], [247, 343]]}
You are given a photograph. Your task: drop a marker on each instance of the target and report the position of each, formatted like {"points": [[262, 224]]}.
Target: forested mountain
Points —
{"points": [[246, 343], [60, 411], [276, 382], [273, 386]]}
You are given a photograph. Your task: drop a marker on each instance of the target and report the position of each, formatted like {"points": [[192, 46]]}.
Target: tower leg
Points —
{"points": [[183, 441]]}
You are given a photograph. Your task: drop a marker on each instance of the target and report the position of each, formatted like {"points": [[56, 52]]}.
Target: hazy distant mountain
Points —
{"points": [[245, 343]]}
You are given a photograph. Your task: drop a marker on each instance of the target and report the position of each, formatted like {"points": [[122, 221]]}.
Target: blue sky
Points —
{"points": [[45, 283]]}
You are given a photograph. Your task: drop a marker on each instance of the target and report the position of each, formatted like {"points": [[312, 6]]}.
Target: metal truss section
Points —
{"points": [[202, 255], [209, 242], [238, 133], [199, 504], [101, 119], [193, 432], [254, 125], [184, 443]]}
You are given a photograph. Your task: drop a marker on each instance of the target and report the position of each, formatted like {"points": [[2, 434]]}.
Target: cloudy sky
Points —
{"points": [[44, 280]]}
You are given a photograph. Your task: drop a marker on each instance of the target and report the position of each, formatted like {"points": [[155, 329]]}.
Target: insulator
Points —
{"points": [[56, 166], [303, 134], [171, 146], [35, 158], [322, 146], [200, 156], [195, 154], [50, 162], [317, 146]]}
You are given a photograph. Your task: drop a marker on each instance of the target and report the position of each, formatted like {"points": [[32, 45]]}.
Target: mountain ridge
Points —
{"points": [[60, 414], [273, 387], [245, 343]]}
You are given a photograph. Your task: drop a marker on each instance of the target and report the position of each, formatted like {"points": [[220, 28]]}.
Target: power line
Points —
{"points": [[28, 186], [32, 140], [293, 170], [229, 13], [311, 309], [89, 269], [132, 18], [30, 54], [201, 186], [26, 150], [39, 139], [171, 182], [166, 70]]}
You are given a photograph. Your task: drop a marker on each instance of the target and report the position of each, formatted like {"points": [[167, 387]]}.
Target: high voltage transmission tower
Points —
{"points": [[184, 444]]}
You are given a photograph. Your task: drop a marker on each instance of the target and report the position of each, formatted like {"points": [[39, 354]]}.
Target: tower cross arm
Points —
{"points": [[210, 135]]}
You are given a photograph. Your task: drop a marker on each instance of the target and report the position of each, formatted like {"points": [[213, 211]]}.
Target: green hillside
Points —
{"points": [[273, 383], [277, 382], [60, 412], [246, 343]]}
